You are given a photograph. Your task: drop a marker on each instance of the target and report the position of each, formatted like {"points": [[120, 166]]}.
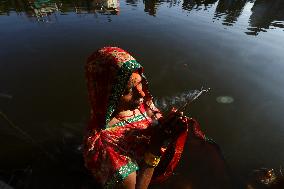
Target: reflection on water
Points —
{"points": [[197, 4], [43, 9], [151, 7], [264, 14], [230, 10]]}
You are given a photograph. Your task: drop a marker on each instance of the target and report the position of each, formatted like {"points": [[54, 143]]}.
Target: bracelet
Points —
{"points": [[151, 160]]}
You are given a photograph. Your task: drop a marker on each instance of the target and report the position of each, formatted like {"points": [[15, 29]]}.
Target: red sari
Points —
{"points": [[111, 153]]}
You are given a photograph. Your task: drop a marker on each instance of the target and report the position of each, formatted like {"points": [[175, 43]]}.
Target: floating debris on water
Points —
{"points": [[225, 99]]}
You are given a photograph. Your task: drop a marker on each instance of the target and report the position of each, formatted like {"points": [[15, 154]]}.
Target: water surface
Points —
{"points": [[235, 47]]}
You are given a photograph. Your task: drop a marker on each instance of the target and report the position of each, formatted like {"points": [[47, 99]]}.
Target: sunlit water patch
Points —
{"points": [[225, 99]]}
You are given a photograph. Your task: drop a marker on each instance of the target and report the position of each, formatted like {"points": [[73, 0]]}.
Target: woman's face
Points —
{"points": [[133, 94]]}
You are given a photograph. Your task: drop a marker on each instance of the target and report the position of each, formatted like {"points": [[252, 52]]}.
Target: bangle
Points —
{"points": [[151, 160]]}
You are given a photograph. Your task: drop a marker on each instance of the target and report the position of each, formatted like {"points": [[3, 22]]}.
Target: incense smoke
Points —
{"points": [[166, 103]]}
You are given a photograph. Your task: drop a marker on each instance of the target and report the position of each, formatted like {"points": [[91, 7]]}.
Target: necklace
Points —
{"points": [[126, 116], [122, 118], [144, 115]]}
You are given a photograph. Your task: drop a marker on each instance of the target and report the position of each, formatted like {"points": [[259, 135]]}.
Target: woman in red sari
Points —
{"points": [[128, 143]]}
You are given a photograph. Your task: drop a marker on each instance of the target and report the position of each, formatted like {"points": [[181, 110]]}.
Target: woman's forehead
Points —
{"points": [[135, 78]]}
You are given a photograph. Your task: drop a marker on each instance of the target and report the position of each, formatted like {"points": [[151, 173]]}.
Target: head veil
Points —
{"points": [[108, 71]]}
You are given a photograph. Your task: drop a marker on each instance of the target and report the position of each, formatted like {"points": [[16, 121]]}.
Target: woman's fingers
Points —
{"points": [[173, 118], [174, 109]]}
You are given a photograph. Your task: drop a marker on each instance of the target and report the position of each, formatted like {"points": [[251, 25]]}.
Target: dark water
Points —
{"points": [[235, 47]]}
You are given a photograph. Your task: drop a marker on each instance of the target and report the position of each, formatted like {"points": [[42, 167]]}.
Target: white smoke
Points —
{"points": [[166, 103]]}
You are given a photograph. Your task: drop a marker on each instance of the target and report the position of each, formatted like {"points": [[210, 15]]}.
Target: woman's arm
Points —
{"points": [[159, 136], [146, 171]]}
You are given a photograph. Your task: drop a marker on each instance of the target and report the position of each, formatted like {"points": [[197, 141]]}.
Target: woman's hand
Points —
{"points": [[173, 124], [169, 128]]}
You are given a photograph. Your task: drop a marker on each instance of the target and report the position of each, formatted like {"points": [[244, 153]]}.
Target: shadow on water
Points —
{"points": [[54, 161], [63, 167]]}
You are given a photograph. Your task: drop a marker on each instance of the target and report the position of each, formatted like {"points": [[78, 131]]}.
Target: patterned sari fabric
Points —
{"points": [[111, 153]]}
